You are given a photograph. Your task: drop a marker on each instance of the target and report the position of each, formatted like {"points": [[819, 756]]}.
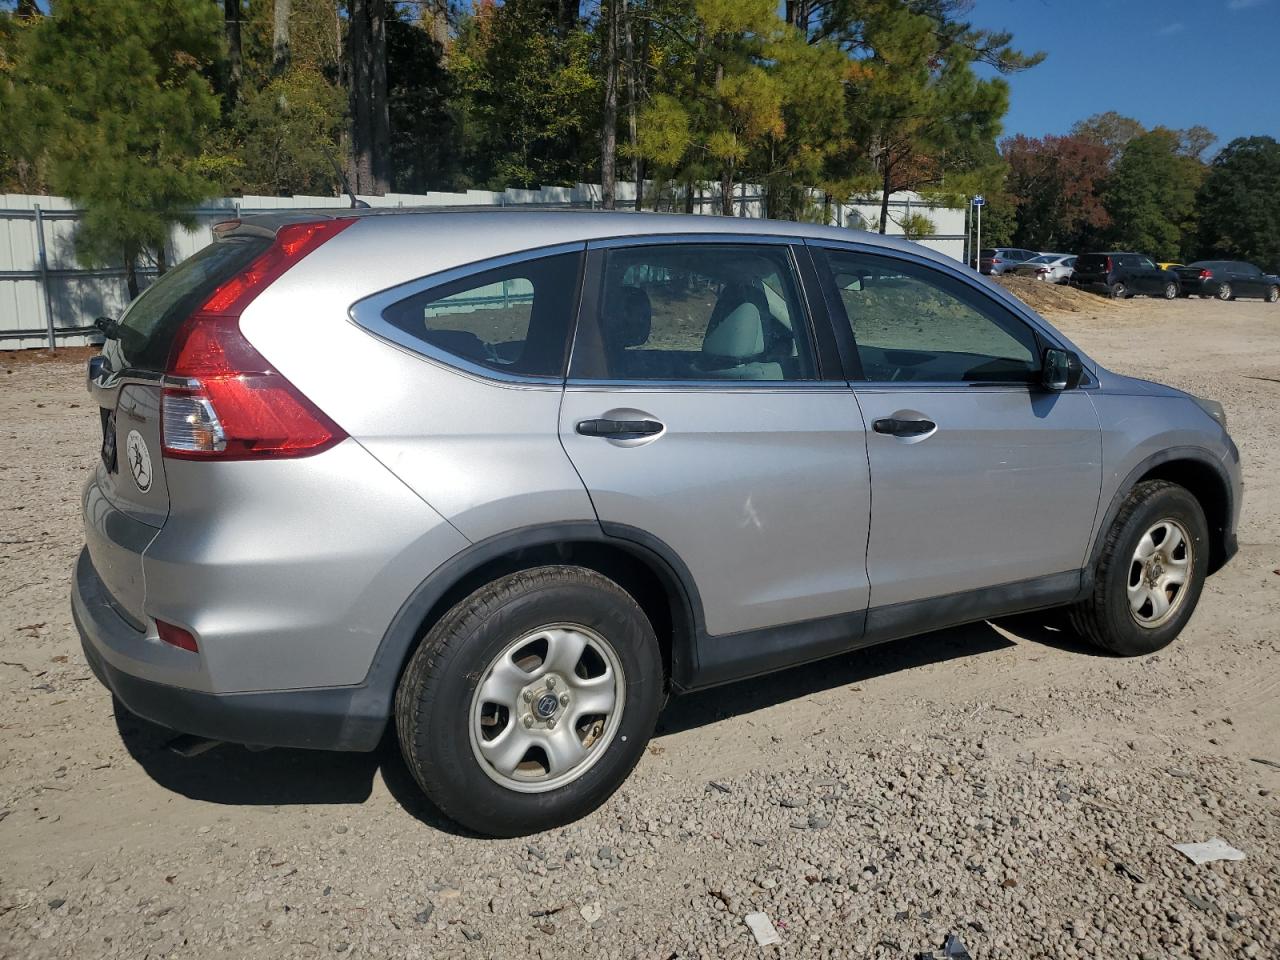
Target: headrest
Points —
{"points": [[740, 335], [629, 319]]}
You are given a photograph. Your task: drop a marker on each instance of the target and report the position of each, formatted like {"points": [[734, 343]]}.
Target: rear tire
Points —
{"points": [[1119, 291], [1224, 292], [561, 665], [1159, 535], [1273, 294]]}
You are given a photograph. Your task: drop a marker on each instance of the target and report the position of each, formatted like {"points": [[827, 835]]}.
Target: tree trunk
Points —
{"points": [[232, 15], [632, 122], [726, 190], [609, 115], [379, 106], [280, 37], [370, 119], [131, 274], [885, 189], [438, 23], [361, 127]]}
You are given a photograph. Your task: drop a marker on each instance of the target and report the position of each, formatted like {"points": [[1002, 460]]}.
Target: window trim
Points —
{"points": [[829, 374], [1044, 335], [367, 314]]}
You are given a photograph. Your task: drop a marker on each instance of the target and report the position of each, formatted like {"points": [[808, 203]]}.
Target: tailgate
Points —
{"points": [[127, 499]]}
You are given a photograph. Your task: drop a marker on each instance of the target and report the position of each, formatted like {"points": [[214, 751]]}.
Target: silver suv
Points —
{"points": [[509, 478]]}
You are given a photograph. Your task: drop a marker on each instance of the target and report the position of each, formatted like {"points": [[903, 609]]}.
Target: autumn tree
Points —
{"points": [[1055, 183]]}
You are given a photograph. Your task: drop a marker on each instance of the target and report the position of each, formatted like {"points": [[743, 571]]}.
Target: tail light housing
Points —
{"points": [[1206, 274], [1110, 267], [222, 399]]}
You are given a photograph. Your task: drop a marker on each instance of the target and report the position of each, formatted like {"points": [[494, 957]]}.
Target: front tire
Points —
{"points": [[1224, 292], [1149, 576], [1273, 294], [529, 703], [1170, 291]]}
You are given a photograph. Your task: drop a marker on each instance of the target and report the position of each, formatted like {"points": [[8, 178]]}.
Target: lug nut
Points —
{"points": [[528, 720], [564, 699], [551, 683], [551, 723], [528, 697]]}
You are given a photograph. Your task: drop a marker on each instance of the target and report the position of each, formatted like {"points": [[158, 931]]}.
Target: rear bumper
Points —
{"points": [[318, 718]]}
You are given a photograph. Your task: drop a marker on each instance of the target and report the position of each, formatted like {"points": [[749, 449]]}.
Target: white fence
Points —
{"points": [[47, 297]]}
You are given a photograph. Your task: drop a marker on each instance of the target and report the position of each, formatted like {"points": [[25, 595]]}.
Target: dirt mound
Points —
{"points": [[1052, 298]]}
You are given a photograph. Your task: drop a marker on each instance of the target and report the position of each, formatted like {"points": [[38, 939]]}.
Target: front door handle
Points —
{"points": [[903, 428], [619, 429]]}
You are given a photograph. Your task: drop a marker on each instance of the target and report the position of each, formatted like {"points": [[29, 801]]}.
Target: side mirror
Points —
{"points": [[1060, 370]]}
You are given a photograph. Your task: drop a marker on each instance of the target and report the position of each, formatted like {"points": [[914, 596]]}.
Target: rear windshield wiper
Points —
{"points": [[110, 328]]}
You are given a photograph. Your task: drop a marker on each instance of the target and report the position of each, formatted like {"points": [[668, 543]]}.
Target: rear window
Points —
{"points": [[988, 254], [514, 319], [1092, 261], [152, 320]]}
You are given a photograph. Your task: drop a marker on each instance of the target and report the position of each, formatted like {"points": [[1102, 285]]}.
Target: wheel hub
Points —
{"points": [[547, 708], [1160, 573]]}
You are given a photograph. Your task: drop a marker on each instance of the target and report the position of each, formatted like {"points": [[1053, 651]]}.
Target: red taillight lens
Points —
{"points": [[1206, 274], [1109, 267], [232, 405], [176, 636]]}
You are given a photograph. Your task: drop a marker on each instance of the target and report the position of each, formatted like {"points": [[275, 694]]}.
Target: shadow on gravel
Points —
{"points": [[708, 706], [234, 775]]}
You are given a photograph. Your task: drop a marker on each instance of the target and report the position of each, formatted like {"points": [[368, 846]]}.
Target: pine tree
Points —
{"points": [[120, 95]]}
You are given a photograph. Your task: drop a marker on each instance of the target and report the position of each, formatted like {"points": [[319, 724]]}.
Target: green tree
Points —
{"points": [[920, 110], [529, 95], [1150, 196], [23, 166], [1239, 203], [120, 95]]}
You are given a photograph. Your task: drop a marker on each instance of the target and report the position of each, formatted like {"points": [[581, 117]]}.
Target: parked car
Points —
{"points": [[998, 260], [1054, 267], [1169, 264], [1227, 280], [1122, 274], [507, 479]]}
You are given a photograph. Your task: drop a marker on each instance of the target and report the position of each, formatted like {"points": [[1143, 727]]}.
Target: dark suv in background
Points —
{"points": [[1123, 274], [1227, 280]]}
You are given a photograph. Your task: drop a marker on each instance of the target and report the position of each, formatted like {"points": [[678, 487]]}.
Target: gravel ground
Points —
{"points": [[999, 781]]}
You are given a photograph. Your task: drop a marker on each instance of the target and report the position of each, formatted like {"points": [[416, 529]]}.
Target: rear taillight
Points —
{"points": [[222, 400], [1042, 269], [1109, 267], [1206, 274]]}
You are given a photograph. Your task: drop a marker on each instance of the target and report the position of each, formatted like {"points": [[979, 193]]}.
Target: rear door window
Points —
{"points": [[514, 319], [697, 311], [151, 321]]}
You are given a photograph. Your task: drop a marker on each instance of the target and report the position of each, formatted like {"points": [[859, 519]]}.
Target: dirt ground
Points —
{"points": [[998, 781]]}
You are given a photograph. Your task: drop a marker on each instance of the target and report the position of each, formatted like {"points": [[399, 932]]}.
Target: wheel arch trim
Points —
{"points": [[405, 630], [1203, 458]]}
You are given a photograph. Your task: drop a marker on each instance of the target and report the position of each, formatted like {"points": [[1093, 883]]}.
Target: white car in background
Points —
{"points": [[1054, 267]]}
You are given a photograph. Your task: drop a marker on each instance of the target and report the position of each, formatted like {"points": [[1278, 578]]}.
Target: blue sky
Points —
{"points": [[1171, 62]]}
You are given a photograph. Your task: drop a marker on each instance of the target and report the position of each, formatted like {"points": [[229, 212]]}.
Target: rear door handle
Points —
{"points": [[619, 429], [903, 428]]}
